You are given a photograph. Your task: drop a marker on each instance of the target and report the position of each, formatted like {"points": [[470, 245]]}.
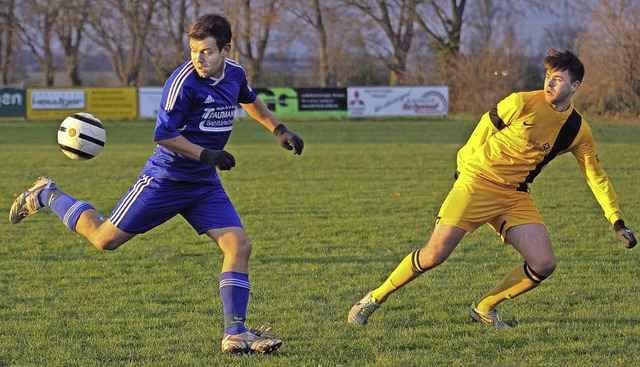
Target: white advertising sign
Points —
{"points": [[61, 99], [398, 101], [149, 101]]}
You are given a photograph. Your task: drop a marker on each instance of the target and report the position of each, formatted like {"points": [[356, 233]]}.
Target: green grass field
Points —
{"points": [[327, 227]]}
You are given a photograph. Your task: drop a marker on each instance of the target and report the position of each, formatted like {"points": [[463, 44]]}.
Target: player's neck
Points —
{"points": [[562, 106], [220, 72]]}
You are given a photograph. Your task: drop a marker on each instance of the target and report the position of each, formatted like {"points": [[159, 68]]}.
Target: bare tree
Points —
{"points": [[563, 35], [485, 21], [313, 14], [396, 19], [442, 25], [171, 20], [231, 9], [7, 39], [121, 28], [486, 76], [36, 30], [488, 64], [70, 27], [611, 53], [252, 20]]}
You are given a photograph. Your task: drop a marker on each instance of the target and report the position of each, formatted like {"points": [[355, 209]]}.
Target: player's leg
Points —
{"points": [[102, 234], [442, 242], [236, 248], [533, 243], [215, 215], [77, 215], [234, 276], [459, 214], [235, 290], [42, 194]]}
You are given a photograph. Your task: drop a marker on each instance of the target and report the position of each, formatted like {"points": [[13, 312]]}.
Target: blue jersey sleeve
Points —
{"points": [[246, 94], [174, 104]]}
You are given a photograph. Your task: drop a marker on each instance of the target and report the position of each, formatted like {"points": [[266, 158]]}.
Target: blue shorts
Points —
{"points": [[152, 201]]}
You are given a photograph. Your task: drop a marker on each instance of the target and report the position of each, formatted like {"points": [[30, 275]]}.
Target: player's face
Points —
{"points": [[558, 89], [206, 58]]}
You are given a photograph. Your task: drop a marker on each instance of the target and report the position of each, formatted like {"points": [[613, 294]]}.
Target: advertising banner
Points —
{"points": [[57, 99], [104, 103], [283, 102], [13, 103], [113, 103], [149, 101], [322, 99], [398, 101]]}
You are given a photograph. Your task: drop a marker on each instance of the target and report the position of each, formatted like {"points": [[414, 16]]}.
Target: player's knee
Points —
{"points": [[430, 260], [105, 244], [244, 247], [541, 269], [549, 267], [241, 249]]}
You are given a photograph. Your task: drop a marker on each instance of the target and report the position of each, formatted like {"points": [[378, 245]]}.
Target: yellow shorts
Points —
{"points": [[472, 203]]}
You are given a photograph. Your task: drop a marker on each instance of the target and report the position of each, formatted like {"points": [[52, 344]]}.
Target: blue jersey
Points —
{"points": [[202, 110]]}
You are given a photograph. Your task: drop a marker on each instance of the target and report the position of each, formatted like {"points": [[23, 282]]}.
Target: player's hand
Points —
{"points": [[288, 139], [220, 159], [624, 234]]}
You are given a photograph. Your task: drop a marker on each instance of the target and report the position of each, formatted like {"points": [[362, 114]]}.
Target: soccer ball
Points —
{"points": [[81, 136]]}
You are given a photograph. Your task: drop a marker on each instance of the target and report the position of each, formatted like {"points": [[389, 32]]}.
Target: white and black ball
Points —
{"points": [[81, 136]]}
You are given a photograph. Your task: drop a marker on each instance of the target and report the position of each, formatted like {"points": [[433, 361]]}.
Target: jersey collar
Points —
{"points": [[218, 80]]}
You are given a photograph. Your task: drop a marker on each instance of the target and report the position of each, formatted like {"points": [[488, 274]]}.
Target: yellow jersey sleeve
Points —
{"points": [[584, 149]]}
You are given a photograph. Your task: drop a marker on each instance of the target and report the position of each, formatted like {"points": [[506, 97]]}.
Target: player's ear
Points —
{"points": [[226, 50], [575, 85]]}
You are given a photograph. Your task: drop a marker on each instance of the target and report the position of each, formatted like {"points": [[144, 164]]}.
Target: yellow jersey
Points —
{"points": [[515, 140]]}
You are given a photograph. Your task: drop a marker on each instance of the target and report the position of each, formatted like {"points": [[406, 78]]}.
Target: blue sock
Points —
{"points": [[67, 208], [234, 291], [46, 196]]}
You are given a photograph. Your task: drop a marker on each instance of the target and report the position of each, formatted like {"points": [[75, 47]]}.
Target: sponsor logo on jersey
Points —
{"points": [[218, 118]]}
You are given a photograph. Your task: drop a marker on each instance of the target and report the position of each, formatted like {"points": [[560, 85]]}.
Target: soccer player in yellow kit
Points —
{"points": [[506, 151]]}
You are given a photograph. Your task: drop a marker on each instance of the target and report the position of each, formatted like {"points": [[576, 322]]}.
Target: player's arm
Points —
{"points": [[287, 139], [220, 159], [597, 179], [182, 146]]}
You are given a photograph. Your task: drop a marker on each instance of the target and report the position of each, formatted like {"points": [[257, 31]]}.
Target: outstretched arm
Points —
{"points": [[586, 155], [287, 139]]}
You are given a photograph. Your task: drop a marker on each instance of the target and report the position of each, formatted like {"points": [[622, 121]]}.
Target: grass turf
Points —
{"points": [[327, 227]]}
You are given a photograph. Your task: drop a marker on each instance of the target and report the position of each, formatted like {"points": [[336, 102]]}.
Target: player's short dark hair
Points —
{"points": [[211, 25], [567, 60]]}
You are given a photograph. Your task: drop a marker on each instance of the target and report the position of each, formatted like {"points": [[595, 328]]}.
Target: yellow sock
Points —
{"points": [[406, 271], [520, 280]]}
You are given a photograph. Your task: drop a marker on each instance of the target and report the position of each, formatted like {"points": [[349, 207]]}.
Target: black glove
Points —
{"points": [[221, 159], [624, 234], [288, 139]]}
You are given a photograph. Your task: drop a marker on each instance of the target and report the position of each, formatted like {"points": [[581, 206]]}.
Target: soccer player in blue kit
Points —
{"points": [[194, 123]]}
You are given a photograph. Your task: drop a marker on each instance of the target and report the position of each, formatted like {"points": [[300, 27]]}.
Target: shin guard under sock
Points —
{"points": [[234, 292]]}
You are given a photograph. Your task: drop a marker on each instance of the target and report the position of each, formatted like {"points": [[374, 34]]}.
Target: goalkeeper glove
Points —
{"points": [[624, 234], [288, 139], [221, 159]]}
